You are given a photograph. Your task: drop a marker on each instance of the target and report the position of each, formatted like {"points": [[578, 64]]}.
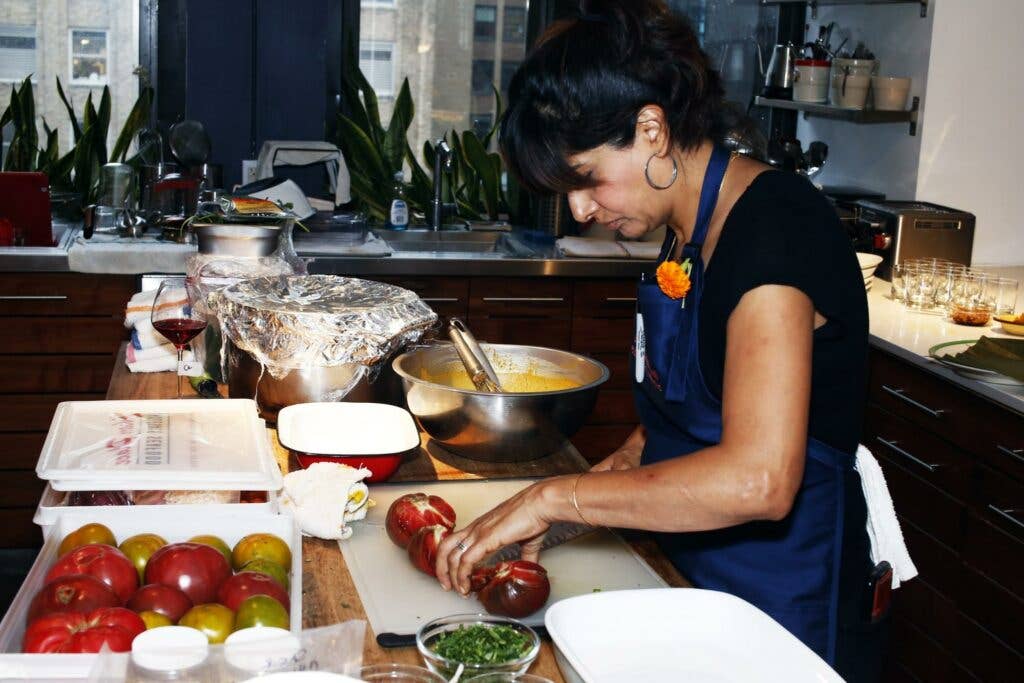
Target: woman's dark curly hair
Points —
{"points": [[585, 82]]}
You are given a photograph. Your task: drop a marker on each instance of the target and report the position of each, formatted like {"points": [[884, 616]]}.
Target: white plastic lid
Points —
{"points": [[170, 648], [261, 648], [189, 444], [347, 429]]}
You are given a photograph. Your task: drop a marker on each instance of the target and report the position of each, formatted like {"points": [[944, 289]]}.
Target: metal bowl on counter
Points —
{"points": [[308, 384], [230, 239], [560, 391]]}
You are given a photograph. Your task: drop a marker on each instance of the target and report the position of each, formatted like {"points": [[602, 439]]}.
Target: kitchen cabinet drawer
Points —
{"points": [[604, 299], [448, 296], [20, 451], [620, 367], [1001, 443], [614, 406], [926, 506], [63, 374], [998, 610], [930, 611], [17, 529], [35, 335], [34, 412], [591, 335], [63, 294], [923, 658], [21, 488], [525, 298], [937, 564], [532, 332], [994, 547], [922, 454], [930, 402], [986, 656], [596, 442]]}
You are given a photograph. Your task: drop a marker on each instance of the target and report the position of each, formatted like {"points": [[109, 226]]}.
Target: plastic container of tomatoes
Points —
{"points": [[190, 454], [171, 522]]}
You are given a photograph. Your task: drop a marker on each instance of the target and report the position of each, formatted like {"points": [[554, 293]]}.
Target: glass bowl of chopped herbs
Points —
{"points": [[483, 643]]}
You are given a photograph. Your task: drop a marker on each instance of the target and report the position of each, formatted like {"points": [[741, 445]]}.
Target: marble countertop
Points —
{"points": [[909, 334]]}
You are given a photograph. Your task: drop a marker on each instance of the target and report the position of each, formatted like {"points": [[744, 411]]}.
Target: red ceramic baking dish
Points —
{"points": [[376, 436]]}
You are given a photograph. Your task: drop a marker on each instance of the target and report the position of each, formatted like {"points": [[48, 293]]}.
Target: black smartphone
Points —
{"points": [[879, 593]]}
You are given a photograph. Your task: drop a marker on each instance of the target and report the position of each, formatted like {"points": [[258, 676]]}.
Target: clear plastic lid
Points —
{"points": [[189, 444]]}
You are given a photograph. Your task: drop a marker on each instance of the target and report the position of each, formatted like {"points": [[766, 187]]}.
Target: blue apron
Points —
{"points": [[789, 569]]}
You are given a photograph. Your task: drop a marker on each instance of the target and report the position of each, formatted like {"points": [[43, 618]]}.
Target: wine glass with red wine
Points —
{"points": [[176, 316]]}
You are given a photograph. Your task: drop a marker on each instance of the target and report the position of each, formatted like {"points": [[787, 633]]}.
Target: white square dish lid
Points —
{"points": [[347, 429], [677, 634], [199, 444]]}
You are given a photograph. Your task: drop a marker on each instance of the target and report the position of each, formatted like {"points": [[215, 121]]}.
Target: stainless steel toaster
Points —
{"points": [[902, 230]]}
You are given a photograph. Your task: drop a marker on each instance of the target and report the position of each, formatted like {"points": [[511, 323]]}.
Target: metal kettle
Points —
{"points": [[778, 79]]}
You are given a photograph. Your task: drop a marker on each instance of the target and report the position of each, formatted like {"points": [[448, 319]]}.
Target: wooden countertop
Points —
{"points": [[328, 593]]}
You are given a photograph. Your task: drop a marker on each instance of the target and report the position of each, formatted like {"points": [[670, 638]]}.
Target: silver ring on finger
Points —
{"points": [[461, 546]]}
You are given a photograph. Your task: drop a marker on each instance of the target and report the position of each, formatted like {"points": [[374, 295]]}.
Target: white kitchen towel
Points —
{"points": [[140, 307], [162, 363], [152, 353], [325, 496], [642, 250], [145, 337], [111, 254], [883, 528]]}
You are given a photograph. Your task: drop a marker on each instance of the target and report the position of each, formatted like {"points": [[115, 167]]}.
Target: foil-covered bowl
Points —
{"points": [[507, 427]]}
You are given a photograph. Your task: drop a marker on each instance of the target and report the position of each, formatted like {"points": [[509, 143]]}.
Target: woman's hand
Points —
{"points": [[627, 456], [523, 518]]}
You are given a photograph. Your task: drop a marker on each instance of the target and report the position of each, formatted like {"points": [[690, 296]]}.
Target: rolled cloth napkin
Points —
{"points": [[325, 496], [1005, 356], [140, 307], [144, 336], [155, 359]]}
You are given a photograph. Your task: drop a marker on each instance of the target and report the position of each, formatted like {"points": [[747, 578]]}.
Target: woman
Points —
{"points": [[750, 384]]}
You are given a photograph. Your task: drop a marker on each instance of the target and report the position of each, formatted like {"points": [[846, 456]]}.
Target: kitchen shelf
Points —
{"points": [[866, 116], [813, 4]]}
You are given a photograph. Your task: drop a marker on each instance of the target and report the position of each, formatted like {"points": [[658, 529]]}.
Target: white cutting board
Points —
{"points": [[398, 598]]}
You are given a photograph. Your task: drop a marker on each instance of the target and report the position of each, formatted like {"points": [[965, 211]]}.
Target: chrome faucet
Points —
{"points": [[442, 165]]}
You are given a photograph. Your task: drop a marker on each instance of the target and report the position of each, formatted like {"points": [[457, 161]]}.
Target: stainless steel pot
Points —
{"points": [[505, 427], [346, 382], [229, 239]]}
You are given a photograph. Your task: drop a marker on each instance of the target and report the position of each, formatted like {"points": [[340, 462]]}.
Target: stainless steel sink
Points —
{"points": [[452, 243]]}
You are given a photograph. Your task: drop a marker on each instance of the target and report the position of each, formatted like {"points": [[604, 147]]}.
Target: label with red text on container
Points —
{"points": [[169, 444]]}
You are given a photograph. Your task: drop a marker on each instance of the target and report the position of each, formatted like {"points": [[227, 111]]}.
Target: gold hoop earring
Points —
{"points": [[647, 173]]}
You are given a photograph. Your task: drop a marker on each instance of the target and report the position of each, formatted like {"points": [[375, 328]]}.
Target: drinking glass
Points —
{"points": [[176, 316], [1005, 289], [945, 280], [897, 287], [920, 284]]}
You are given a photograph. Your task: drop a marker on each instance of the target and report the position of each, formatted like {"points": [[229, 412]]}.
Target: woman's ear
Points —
{"points": [[652, 129]]}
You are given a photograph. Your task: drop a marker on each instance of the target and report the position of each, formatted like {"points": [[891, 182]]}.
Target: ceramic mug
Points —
{"points": [[850, 91], [810, 80], [891, 93]]}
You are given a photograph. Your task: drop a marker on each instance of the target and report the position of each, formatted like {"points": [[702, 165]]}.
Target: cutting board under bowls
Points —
{"points": [[398, 598]]}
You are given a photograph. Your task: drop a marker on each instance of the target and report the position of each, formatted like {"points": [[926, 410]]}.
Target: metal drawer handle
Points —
{"points": [[620, 299], [18, 297], [519, 299], [1015, 453], [896, 449], [898, 393], [1005, 514], [440, 299]]}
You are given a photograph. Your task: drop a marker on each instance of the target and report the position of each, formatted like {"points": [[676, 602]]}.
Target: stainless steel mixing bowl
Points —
{"points": [[505, 427]]}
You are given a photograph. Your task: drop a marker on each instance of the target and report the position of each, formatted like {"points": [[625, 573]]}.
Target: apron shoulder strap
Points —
{"points": [[712, 185]]}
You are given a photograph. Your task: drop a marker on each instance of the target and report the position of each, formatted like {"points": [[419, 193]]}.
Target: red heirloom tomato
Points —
{"points": [[77, 632], [246, 584], [156, 597], [513, 589], [412, 512], [423, 547], [104, 562], [197, 569], [72, 593]]}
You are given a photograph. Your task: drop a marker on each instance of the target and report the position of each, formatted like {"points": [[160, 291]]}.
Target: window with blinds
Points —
{"points": [[17, 51], [377, 62]]}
